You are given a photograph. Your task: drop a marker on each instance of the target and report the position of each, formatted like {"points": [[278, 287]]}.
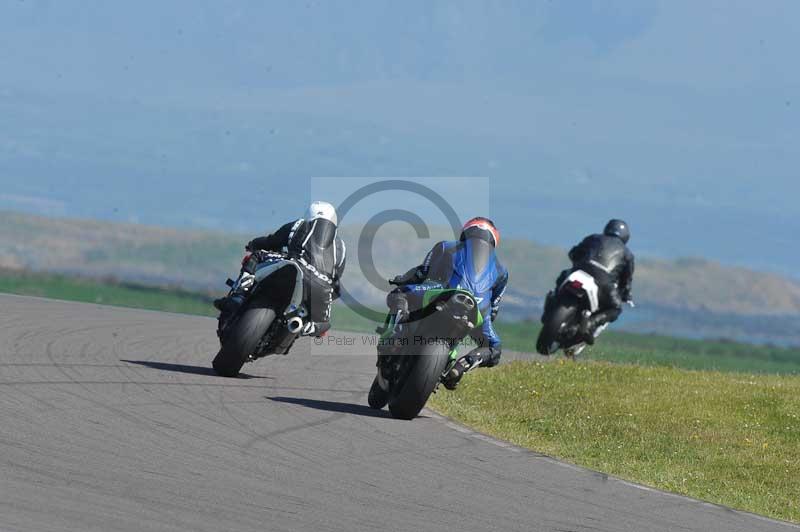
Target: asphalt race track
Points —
{"points": [[110, 419]]}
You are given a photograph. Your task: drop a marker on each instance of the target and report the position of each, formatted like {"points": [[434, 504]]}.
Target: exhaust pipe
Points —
{"points": [[294, 325]]}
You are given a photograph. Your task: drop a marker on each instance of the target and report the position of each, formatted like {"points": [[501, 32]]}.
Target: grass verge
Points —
{"points": [[729, 438], [106, 292], [720, 355]]}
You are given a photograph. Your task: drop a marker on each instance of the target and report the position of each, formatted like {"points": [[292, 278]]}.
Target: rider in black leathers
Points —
{"points": [[607, 258], [314, 242]]}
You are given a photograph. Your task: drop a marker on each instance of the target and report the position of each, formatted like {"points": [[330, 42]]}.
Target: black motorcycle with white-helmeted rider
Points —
{"points": [[285, 289], [589, 296]]}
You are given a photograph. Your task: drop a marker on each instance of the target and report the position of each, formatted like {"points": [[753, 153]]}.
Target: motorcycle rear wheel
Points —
{"points": [[422, 379], [550, 336], [241, 340]]}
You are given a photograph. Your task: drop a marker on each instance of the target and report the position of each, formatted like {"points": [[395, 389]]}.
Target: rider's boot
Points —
{"points": [[227, 308], [590, 323], [481, 356], [464, 364], [453, 377], [220, 302], [229, 303]]}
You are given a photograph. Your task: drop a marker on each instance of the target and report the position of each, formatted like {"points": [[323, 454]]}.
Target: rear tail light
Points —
{"points": [[246, 258], [576, 285]]}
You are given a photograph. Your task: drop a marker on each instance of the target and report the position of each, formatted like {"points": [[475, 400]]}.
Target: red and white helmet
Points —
{"points": [[481, 227]]}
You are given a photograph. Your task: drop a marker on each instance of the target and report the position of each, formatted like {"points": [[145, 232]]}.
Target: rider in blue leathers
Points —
{"points": [[469, 263]]}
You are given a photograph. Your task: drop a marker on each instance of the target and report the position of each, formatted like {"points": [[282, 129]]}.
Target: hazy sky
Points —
{"points": [[681, 116]]}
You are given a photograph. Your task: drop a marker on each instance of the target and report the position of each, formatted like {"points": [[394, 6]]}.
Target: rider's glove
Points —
{"points": [[410, 277], [401, 280], [494, 312]]}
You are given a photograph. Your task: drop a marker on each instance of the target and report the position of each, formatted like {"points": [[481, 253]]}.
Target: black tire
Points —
{"points": [[549, 336], [241, 340], [377, 397], [420, 381]]}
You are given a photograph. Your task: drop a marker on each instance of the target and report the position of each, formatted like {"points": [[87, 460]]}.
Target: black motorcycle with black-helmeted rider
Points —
{"points": [[590, 295], [285, 289]]}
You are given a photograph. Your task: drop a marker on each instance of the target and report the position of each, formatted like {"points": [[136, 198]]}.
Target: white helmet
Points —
{"points": [[321, 210]]}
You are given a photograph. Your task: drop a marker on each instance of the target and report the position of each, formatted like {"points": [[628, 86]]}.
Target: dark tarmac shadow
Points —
{"points": [[185, 368], [333, 406]]}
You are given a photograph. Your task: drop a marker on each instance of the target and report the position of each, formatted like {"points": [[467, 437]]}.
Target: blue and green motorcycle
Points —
{"points": [[417, 348]]}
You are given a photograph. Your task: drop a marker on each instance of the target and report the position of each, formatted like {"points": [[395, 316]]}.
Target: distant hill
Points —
{"points": [[690, 297], [576, 112]]}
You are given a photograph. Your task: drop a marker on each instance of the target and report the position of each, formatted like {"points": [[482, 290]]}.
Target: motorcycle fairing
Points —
{"points": [[432, 294], [265, 269], [588, 285]]}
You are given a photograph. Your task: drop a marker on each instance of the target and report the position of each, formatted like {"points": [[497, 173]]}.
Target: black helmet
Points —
{"points": [[482, 228], [618, 228]]}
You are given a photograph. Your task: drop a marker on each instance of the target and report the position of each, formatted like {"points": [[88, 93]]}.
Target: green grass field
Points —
{"points": [[106, 292], [729, 438]]}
